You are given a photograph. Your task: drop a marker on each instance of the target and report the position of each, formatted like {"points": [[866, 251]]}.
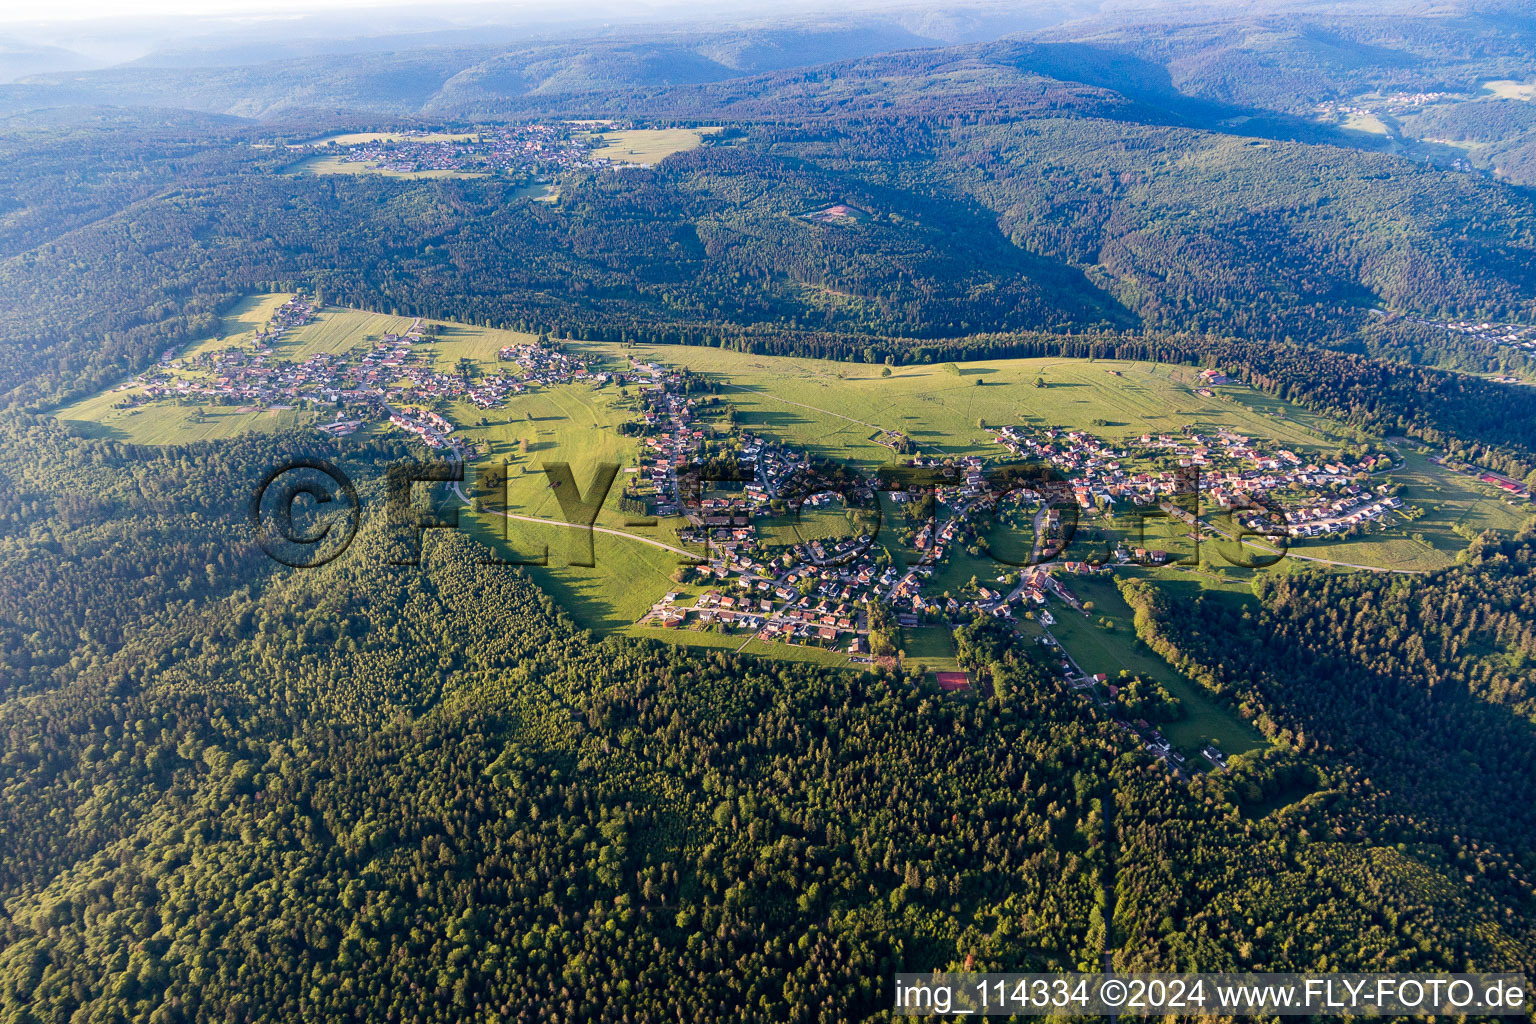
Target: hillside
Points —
{"points": [[650, 514]]}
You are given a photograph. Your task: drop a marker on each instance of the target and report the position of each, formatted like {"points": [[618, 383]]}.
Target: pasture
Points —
{"points": [[648, 145], [835, 409], [477, 344], [539, 192], [329, 163], [336, 331], [169, 423], [1114, 648], [238, 326], [1368, 123], [1509, 89]]}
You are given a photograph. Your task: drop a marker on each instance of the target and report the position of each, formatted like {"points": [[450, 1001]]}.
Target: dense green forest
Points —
{"points": [[297, 795], [1423, 684], [1285, 242]]}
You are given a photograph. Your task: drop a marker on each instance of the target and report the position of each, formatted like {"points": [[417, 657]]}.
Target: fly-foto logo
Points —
{"points": [[306, 512]]}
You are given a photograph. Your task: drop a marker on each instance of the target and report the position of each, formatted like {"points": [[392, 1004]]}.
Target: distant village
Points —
{"points": [[1521, 336], [390, 381], [529, 148]]}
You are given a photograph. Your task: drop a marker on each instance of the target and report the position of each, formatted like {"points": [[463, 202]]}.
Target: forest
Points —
{"points": [[297, 795], [231, 791]]}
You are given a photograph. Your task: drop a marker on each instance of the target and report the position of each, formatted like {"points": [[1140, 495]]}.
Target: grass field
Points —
{"points": [[1368, 123], [334, 164], [1509, 89], [479, 344], [168, 423], [1110, 649], [931, 646], [571, 424], [648, 145], [539, 192], [835, 409], [338, 330], [237, 327]]}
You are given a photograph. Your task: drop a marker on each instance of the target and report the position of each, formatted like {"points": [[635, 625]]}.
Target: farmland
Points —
{"points": [[648, 145], [330, 163]]}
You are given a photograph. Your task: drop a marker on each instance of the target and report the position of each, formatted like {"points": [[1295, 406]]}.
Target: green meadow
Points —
{"points": [[1510, 89], [169, 423], [330, 163], [1113, 648], [836, 410], [648, 145]]}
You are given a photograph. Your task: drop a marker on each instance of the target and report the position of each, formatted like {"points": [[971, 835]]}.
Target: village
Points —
{"points": [[1269, 488], [844, 589], [527, 148], [850, 593], [390, 382], [1511, 335]]}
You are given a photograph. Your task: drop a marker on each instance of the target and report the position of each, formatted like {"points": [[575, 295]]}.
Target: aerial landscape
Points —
{"points": [[779, 515]]}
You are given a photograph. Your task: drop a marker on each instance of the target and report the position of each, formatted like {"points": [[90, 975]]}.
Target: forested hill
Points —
{"points": [[1196, 63], [1060, 223], [295, 794], [1281, 57], [234, 792], [1425, 683]]}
